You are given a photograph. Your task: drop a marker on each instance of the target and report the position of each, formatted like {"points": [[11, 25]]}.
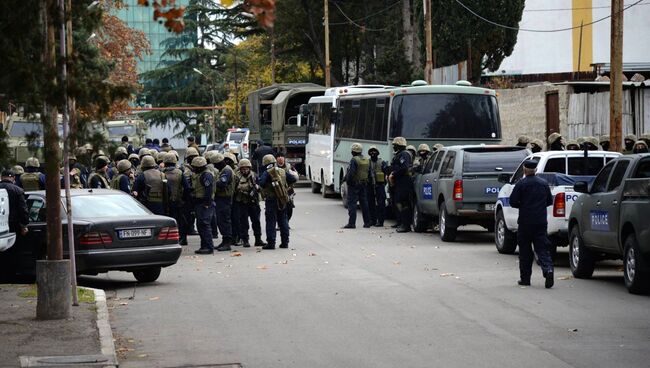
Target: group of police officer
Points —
{"points": [[217, 191], [557, 143]]}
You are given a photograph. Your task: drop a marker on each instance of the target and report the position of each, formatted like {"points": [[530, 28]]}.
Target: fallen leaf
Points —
{"points": [[311, 254], [565, 278], [262, 267], [446, 274], [235, 254], [397, 263], [124, 303], [437, 247], [154, 298], [573, 330], [339, 231], [258, 250], [142, 356], [283, 262]]}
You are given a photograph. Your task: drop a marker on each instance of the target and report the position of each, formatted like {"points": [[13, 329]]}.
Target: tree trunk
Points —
{"points": [[409, 31]]}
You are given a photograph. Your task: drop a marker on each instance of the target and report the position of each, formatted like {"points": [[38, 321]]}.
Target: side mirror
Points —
{"points": [[504, 178], [581, 187]]}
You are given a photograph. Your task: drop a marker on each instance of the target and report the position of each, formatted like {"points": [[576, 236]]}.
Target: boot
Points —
{"points": [[403, 229], [245, 243], [549, 280], [349, 226], [397, 225], [259, 242], [204, 251], [269, 246], [182, 241], [225, 245], [284, 245], [236, 240]]}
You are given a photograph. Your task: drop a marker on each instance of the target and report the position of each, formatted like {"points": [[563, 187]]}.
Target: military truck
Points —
{"points": [[25, 136], [274, 117], [608, 221], [134, 128]]}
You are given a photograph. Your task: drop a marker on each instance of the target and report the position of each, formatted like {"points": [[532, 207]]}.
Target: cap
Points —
{"points": [[530, 164], [6, 173]]}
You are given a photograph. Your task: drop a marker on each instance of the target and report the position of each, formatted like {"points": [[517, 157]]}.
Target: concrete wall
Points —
{"points": [[523, 111]]}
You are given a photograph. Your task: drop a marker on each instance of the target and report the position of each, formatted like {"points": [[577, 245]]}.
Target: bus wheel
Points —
{"points": [[315, 188]]}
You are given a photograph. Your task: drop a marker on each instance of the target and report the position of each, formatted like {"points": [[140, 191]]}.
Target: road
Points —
{"points": [[373, 298]]}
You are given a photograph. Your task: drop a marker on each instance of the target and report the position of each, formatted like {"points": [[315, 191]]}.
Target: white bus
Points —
{"points": [[422, 113], [319, 164]]}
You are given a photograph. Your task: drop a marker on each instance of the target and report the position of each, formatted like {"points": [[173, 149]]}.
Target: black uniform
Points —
{"points": [[18, 219], [261, 151], [400, 169], [531, 196]]}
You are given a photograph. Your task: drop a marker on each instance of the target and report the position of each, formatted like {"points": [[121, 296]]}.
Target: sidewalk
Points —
{"points": [[24, 336]]}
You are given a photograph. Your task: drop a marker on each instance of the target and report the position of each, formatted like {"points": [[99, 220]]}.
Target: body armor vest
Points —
{"points": [[153, 179], [228, 190], [30, 182], [363, 164], [174, 177]]}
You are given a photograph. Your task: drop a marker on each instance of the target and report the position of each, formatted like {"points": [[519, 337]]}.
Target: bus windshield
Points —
{"points": [[445, 115], [237, 137], [121, 130]]}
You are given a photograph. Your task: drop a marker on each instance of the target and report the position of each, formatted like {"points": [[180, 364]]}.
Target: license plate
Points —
{"points": [[135, 233], [489, 207], [294, 160]]}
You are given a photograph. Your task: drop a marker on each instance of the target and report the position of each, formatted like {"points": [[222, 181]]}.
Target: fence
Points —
{"points": [[449, 74]]}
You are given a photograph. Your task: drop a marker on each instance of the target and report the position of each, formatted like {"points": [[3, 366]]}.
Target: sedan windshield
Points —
{"points": [[112, 205]]}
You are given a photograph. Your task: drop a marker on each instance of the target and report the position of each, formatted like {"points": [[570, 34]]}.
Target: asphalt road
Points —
{"points": [[373, 298]]}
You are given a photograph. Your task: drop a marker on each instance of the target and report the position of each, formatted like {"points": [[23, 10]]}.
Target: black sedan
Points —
{"points": [[112, 232]]}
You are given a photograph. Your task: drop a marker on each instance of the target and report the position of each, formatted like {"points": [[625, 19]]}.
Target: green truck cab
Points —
{"points": [[608, 221]]}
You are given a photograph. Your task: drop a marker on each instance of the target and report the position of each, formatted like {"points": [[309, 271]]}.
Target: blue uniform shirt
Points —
{"points": [[225, 178], [265, 178], [401, 164], [531, 195]]}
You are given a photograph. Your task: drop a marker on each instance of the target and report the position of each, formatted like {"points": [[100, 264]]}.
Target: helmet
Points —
{"points": [[268, 159], [134, 156], [18, 170], [410, 148], [572, 144], [604, 138], [438, 146], [357, 148], [72, 157], [640, 143], [399, 141], [88, 147], [230, 156], [523, 139], [161, 156], [373, 148], [101, 161], [32, 162], [143, 152], [593, 140], [245, 163], [199, 161], [166, 147], [100, 153], [124, 165], [170, 158], [581, 140], [154, 154], [216, 158], [175, 154], [148, 162], [631, 137], [191, 152], [424, 147], [553, 137], [538, 142], [208, 155], [121, 149]]}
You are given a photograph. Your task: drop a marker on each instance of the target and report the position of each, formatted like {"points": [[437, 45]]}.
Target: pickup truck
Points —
{"points": [[458, 185], [7, 238], [609, 221], [561, 169]]}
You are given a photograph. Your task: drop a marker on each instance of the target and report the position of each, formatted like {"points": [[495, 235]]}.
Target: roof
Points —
{"points": [[439, 88], [575, 153], [604, 83], [271, 91]]}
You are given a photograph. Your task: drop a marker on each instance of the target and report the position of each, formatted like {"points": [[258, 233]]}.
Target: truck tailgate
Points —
{"points": [[481, 188]]}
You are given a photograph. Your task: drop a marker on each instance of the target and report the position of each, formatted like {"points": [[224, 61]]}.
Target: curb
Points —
{"points": [[104, 327]]}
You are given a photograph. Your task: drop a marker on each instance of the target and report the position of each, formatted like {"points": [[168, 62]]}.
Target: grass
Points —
{"points": [[84, 295]]}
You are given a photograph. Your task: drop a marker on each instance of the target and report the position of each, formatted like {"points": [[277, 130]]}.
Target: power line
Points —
{"points": [[362, 26], [582, 8], [369, 16], [539, 30]]}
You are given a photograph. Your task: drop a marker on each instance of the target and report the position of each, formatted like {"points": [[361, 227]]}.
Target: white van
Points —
{"points": [[237, 138], [7, 239]]}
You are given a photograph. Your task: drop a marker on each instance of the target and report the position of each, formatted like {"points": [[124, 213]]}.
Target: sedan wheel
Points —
{"points": [[447, 223], [150, 274], [419, 220], [581, 259], [634, 270], [505, 240]]}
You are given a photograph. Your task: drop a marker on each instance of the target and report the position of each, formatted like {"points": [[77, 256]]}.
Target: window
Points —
{"points": [[643, 171], [237, 137], [121, 130], [436, 164], [600, 183], [618, 175], [112, 205], [380, 119], [577, 165], [448, 163], [36, 210], [445, 115], [429, 166], [520, 170], [556, 165], [489, 160]]}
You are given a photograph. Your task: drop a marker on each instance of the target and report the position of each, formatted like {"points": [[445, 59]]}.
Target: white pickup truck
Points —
{"points": [[561, 169], [7, 239]]}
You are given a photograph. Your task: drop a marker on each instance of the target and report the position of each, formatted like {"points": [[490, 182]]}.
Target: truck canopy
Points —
{"points": [[269, 93], [287, 103], [557, 179]]}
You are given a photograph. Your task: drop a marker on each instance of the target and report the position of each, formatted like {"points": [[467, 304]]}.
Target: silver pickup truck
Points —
{"points": [[7, 238], [608, 221], [459, 186]]}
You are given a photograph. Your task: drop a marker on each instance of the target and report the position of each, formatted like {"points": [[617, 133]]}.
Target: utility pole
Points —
{"points": [[615, 77], [272, 56], [236, 89], [428, 69], [328, 80]]}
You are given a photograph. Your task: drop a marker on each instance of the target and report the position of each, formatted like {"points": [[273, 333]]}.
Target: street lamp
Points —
{"points": [[214, 119]]}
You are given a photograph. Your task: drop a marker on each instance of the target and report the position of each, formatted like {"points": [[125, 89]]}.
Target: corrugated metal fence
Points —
{"points": [[450, 74]]}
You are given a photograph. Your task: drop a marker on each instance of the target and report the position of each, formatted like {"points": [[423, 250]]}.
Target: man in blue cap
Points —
{"points": [[531, 195]]}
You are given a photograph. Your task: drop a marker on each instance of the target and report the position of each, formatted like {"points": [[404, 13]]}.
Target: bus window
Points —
{"points": [[445, 115]]}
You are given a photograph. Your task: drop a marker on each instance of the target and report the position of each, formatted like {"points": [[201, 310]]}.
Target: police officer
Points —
{"points": [[75, 173], [356, 179], [537, 145], [591, 143], [424, 152], [18, 220], [377, 188], [289, 170], [32, 179], [555, 142], [645, 138], [401, 180], [581, 142], [18, 171], [179, 189], [523, 141], [531, 196], [246, 204], [99, 178], [411, 150], [128, 146], [210, 156], [202, 189], [150, 187], [122, 180], [604, 142], [190, 215], [231, 160], [134, 159], [223, 199], [640, 147], [572, 145], [629, 141], [259, 153], [274, 183]]}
